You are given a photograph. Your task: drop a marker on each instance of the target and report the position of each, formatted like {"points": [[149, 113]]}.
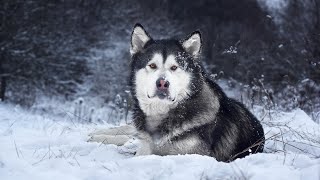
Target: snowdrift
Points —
{"points": [[35, 146]]}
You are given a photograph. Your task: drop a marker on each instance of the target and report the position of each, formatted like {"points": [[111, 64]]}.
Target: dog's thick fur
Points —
{"points": [[193, 115]]}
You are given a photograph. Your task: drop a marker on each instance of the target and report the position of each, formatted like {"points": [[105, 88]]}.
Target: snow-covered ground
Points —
{"points": [[41, 146]]}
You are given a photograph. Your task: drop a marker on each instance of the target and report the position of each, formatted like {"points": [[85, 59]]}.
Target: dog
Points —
{"points": [[178, 109]]}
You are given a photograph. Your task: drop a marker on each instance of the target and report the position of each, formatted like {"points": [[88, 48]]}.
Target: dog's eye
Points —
{"points": [[153, 66], [173, 68]]}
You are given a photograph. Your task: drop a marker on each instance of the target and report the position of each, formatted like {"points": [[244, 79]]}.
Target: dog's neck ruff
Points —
{"points": [[155, 110], [155, 107]]}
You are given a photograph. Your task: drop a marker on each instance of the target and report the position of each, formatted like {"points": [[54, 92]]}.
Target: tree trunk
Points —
{"points": [[3, 82], [3, 86]]}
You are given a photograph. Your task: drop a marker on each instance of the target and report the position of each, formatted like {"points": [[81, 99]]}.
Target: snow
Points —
{"points": [[42, 146], [274, 4], [275, 8]]}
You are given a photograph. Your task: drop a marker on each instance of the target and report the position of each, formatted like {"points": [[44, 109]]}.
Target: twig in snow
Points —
{"points": [[15, 145]]}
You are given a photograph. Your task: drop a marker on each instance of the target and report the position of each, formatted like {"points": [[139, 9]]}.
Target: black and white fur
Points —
{"points": [[191, 115]]}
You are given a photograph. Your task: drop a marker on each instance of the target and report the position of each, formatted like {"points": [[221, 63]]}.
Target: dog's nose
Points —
{"points": [[162, 84]]}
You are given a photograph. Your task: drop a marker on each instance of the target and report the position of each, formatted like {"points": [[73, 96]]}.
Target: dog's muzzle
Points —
{"points": [[162, 88]]}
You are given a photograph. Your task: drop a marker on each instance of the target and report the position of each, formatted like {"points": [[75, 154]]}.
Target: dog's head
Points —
{"points": [[164, 72]]}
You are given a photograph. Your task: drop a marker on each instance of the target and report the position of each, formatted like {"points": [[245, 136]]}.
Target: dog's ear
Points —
{"points": [[139, 39], [192, 44]]}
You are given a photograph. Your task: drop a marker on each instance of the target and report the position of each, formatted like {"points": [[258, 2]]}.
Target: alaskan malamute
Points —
{"points": [[178, 109]]}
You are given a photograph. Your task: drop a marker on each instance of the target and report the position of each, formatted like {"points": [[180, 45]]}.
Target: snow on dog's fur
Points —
{"points": [[178, 109]]}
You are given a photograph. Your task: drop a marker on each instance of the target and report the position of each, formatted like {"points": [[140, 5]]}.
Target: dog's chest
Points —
{"points": [[153, 122]]}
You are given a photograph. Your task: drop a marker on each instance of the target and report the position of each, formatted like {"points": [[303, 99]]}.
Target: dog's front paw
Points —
{"points": [[142, 151], [130, 147], [144, 148]]}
